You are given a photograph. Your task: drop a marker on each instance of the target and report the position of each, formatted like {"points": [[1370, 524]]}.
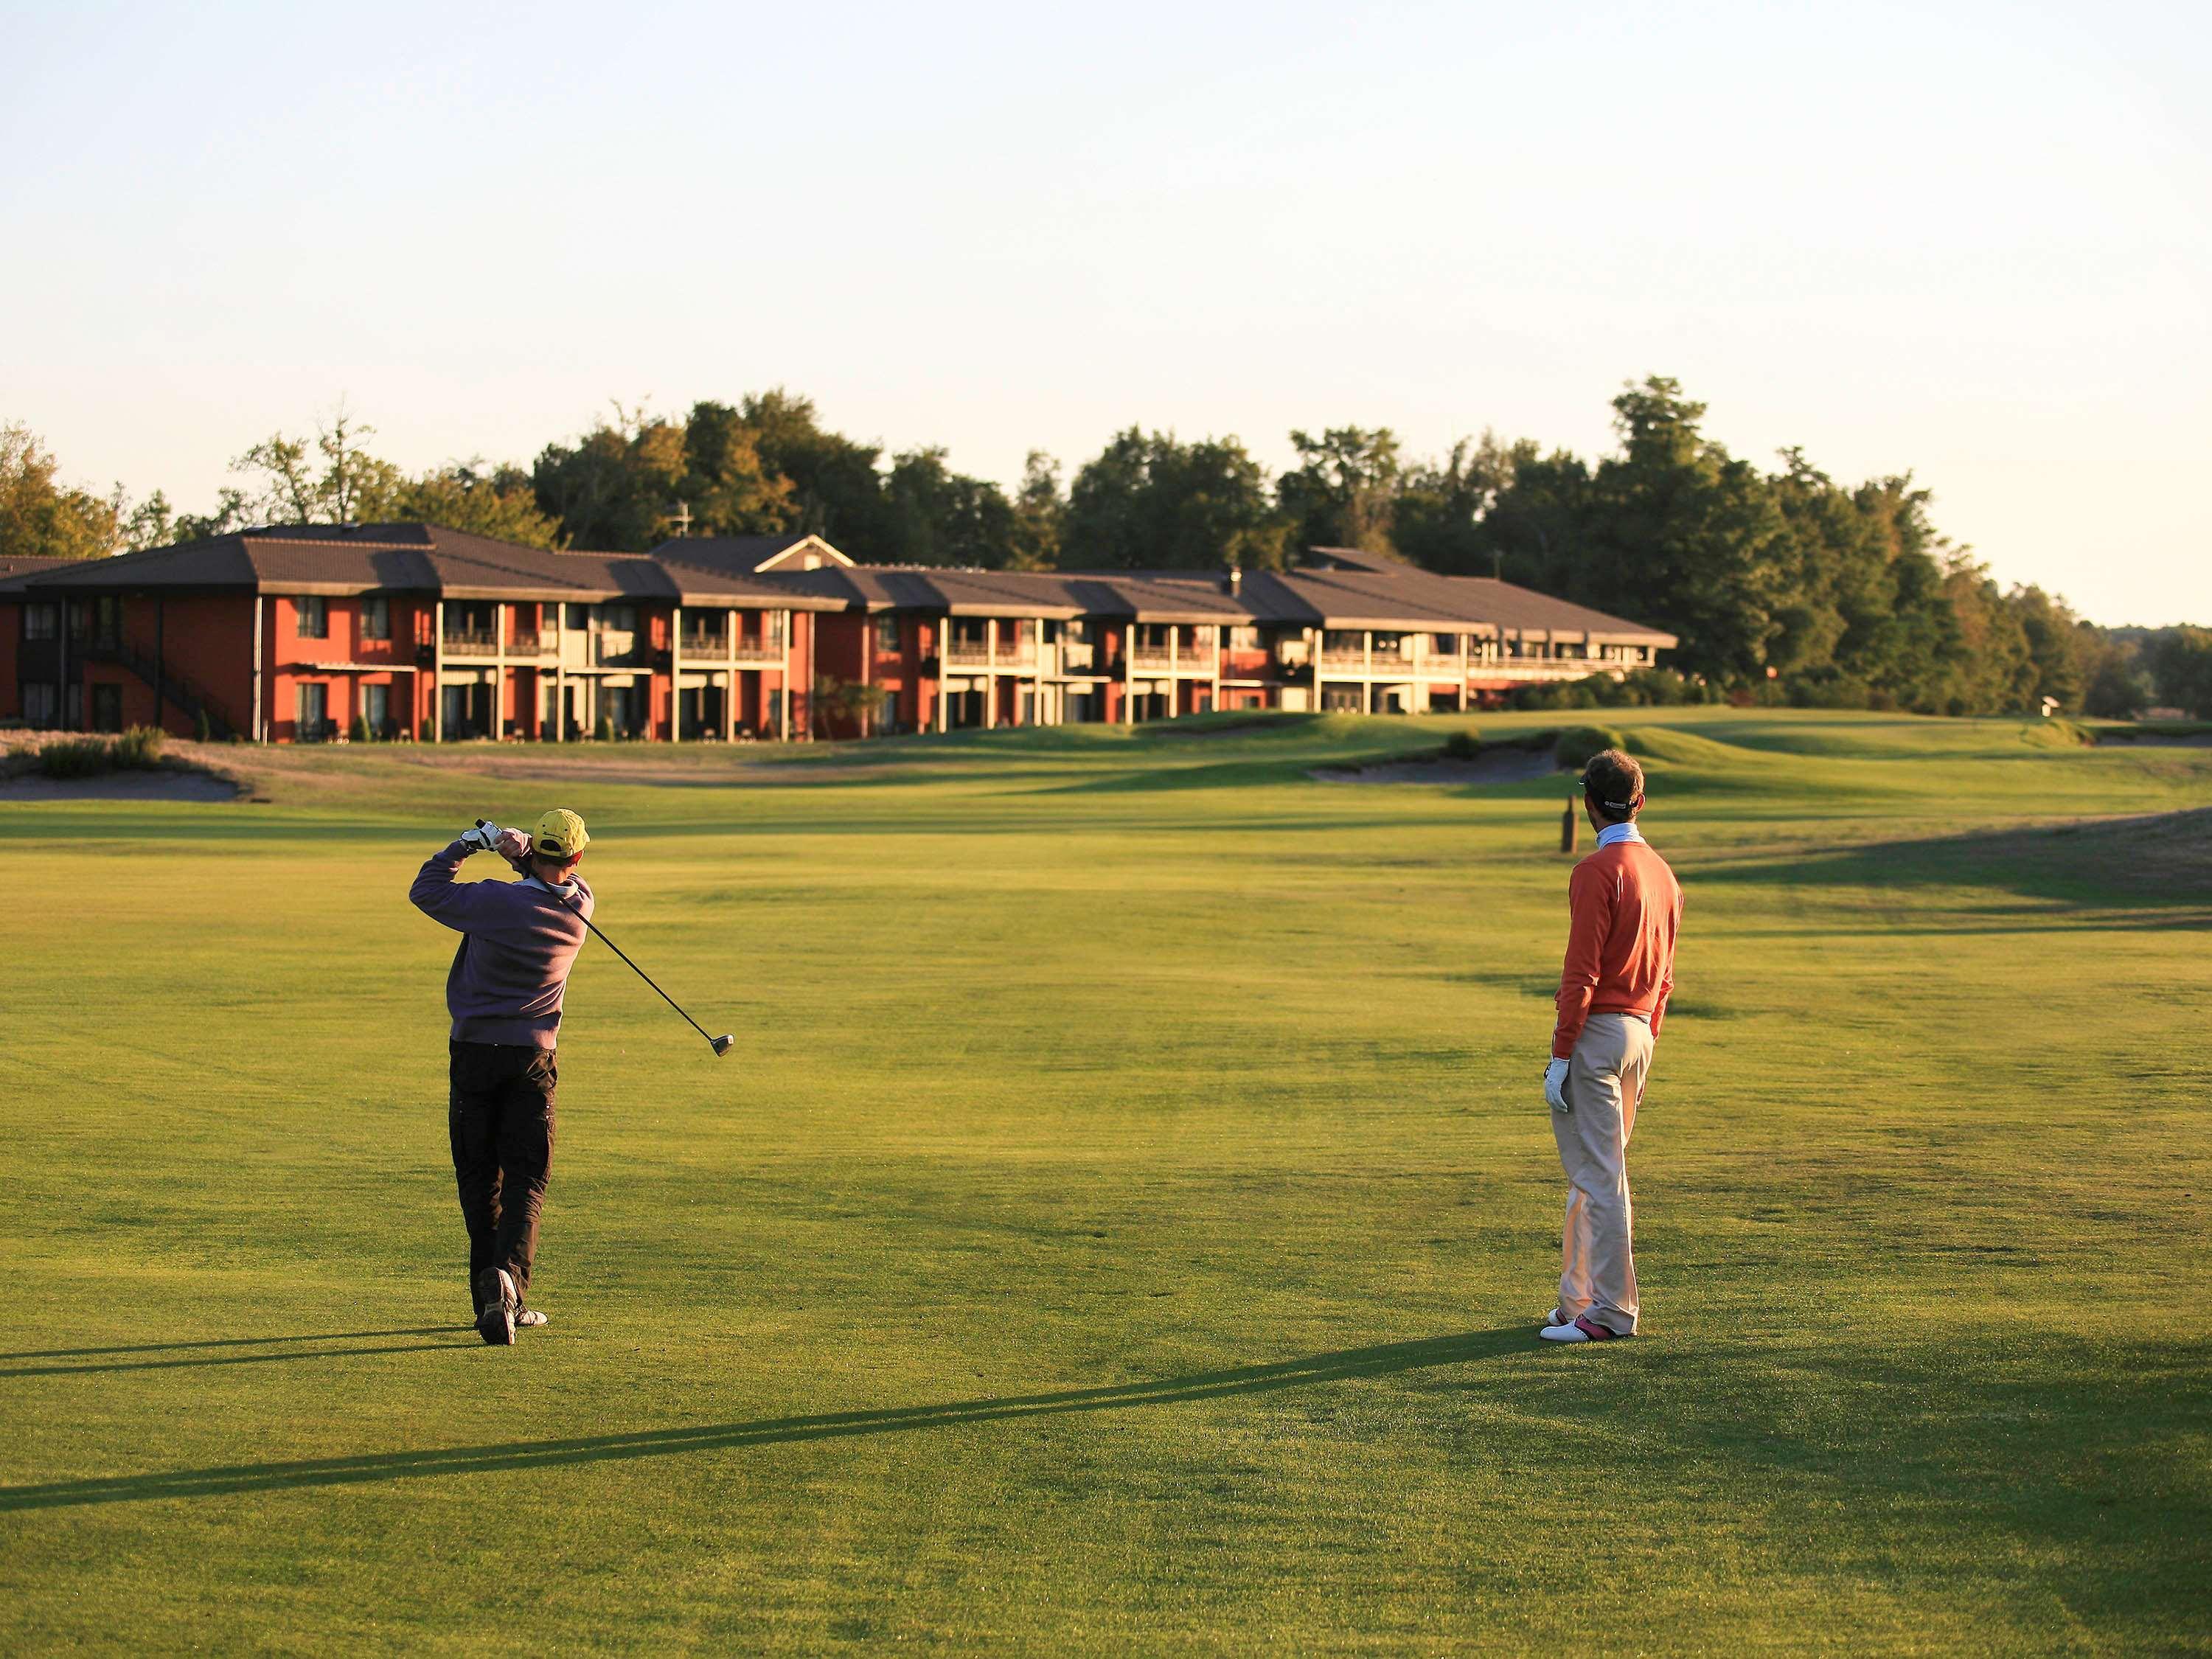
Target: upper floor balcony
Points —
{"points": [[1161, 660], [978, 654]]}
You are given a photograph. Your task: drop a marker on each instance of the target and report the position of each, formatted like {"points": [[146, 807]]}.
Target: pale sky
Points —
{"points": [[1969, 241]]}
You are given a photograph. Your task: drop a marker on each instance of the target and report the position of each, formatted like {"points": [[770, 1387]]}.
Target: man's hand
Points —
{"points": [[509, 844], [1555, 1086]]}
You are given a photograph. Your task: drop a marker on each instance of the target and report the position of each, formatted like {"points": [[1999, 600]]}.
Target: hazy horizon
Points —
{"points": [[1972, 243]]}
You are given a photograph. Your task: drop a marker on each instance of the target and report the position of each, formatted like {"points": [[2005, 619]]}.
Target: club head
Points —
{"points": [[722, 1045]]}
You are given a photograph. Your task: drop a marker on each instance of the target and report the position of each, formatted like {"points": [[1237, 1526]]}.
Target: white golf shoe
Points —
{"points": [[1583, 1329]]}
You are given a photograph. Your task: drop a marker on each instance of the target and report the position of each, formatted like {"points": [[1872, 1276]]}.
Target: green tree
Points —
{"points": [[1039, 515], [1684, 536], [730, 489], [2053, 635], [1150, 501], [497, 501], [2180, 661], [1343, 491], [42, 518], [1437, 518], [1535, 530], [940, 517], [347, 485], [1995, 671], [615, 487], [836, 484], [2115, 687]]}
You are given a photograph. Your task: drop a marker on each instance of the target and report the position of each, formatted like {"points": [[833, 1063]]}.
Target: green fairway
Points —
{"points": [[1122, 1223]]}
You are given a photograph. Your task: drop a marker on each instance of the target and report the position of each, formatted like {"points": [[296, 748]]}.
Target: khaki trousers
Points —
{"points": [[1605, 1079]]}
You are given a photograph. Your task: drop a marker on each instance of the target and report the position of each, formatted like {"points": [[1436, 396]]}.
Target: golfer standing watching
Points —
{"points": [[1624, 909], [519, 940]]}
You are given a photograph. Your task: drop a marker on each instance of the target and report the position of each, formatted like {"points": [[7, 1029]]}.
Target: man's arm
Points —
{"points": [[1667, 973], [1588, 913], [459, 906]]}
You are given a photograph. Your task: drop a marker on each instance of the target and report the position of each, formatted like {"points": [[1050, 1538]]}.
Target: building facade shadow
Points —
{"points": [[1343, 1365]]}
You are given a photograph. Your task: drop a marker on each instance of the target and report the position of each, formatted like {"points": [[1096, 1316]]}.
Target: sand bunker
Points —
{"points": [[1500, 765]]}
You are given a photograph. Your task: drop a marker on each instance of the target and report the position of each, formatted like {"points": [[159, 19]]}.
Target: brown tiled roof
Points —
{"points": [[1344, 588], [16, 568]]}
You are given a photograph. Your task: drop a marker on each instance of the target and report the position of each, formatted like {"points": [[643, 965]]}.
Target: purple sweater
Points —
{"points": [[518, 941]]}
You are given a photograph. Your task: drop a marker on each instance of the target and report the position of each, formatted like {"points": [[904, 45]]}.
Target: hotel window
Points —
{"points": [[314, 618], [887, 634], [376, 708], [312, 709], [40, 702], [376, 618], [1444, 645], [1244, 639], [41, 621]]}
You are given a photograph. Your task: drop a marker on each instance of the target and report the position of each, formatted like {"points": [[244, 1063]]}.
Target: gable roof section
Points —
{"points": [[751, 555]]}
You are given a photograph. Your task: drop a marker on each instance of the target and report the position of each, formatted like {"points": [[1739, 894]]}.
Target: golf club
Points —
{"points": [[720, 1045]]}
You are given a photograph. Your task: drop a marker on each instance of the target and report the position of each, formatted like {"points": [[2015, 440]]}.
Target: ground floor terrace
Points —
{"points": [[951, 673]]}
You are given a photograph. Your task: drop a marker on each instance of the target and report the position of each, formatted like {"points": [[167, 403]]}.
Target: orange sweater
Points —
{"points": [[1624, 909]]}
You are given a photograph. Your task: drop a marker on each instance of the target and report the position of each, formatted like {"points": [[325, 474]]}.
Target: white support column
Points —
{"points": [[438, 672], [499, 609], [990, 672], [676, 674], [783, 712], [1128, 678], [730, 693], [944, 662]]}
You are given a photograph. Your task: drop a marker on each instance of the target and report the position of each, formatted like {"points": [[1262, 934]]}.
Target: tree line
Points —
{"points": [[1782, 583]]}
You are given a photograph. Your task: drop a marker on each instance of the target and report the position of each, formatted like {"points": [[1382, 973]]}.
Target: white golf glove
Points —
{"points": [[513, 845], [1555, 1086]]}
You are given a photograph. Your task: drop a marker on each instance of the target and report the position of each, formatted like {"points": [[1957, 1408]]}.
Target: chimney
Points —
{"points": [[1235, 580]]}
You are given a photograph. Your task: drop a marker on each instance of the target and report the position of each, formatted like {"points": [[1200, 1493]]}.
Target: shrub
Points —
{"points": [[139, 749], [1828, 687], [361, 732], [1577, 743], [76, 758], [1568, 694], [2058, 734], [1462, 746]]}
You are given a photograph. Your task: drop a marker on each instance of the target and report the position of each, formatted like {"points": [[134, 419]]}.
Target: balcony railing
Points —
{"points": [[1546, 668], [961, 653], [760, 650], [707, 648], [472, 641], [528, 644], [1078, 658]]}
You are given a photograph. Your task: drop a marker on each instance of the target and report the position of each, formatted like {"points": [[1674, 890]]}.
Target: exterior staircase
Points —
{"points": [[175, 690]]}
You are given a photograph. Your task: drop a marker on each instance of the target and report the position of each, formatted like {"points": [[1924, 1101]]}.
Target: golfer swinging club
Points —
{"points": [[519, 940], [1625, 909]]}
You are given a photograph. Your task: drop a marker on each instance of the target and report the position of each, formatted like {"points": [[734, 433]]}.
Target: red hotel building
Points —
{"points": [[313, 632]]}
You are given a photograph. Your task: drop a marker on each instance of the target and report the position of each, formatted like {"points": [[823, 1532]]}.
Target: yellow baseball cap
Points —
{"points": [[560, 835]]}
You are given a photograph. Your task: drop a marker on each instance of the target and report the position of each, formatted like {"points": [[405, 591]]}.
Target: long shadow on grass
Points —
{"points": [[2157, 862], [227, 1342], [1345, 1363], [70, 1365]]}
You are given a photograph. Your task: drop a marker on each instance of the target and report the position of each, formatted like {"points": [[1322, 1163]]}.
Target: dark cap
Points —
{"points": [[1612, 782]]}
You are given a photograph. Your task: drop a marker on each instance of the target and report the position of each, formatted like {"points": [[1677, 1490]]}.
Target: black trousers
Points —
{"points": [[500, 1117]]}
